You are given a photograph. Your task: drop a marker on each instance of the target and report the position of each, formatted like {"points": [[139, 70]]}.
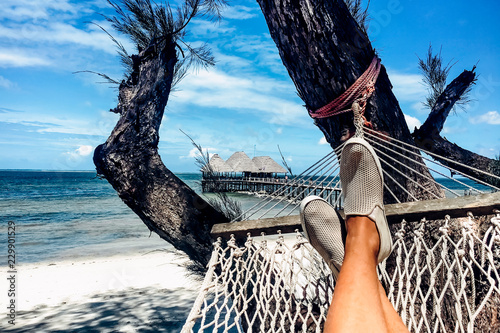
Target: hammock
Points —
{"points": [[447, 282], [281, 285], [440, 277]]}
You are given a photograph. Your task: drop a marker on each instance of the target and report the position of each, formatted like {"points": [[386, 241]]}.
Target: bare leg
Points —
{"points": [[359, 302], [356, 304], [393, 320]]}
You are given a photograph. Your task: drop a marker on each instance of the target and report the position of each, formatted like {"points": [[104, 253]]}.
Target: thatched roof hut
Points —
{"points": [[217, 164], [240, 162], [266, 164]]}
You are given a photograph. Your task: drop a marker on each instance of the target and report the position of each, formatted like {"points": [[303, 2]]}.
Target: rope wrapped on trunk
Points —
{"points": [[358, 93]]}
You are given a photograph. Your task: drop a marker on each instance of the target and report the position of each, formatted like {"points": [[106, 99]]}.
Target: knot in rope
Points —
{"points": [[358, 93], [496, 219]]}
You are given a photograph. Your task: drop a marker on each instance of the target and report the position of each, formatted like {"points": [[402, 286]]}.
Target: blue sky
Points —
{"points": [[51, 118]]}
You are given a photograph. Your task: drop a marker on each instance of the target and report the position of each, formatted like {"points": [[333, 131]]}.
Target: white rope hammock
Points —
{"points": [[444, 280], [280, 285]]}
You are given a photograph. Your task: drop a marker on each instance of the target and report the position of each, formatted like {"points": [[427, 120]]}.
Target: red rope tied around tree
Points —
{"points": [[360, 91]]}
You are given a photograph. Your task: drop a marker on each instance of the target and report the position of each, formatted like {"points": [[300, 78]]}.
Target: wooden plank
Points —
{"points": [[482, 204]]}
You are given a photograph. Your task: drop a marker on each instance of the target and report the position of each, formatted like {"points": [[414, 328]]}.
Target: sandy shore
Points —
{"points": [[145, 292]]}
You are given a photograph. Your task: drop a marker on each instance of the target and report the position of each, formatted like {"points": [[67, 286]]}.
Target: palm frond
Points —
{"points": [[230, 208], [152, 26], [125, 58], [185, 14], [434, 75], [213, 9], [283, 160], [104, 76], [180, 72], [135, 19], [359, 13], [199, 57]]}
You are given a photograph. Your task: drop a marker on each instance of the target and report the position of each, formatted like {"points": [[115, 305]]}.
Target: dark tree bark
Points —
{"points": [[129, 160], [325, 51], [428, 135]]}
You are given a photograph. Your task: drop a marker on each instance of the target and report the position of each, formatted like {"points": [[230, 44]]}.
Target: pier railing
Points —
{"points": [[292, 189]]}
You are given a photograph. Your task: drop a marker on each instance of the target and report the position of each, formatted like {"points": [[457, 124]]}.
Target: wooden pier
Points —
{"points": [[279, 187]]}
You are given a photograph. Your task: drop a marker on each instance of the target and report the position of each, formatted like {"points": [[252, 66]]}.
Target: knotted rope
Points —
{"points": [[358, 93]]}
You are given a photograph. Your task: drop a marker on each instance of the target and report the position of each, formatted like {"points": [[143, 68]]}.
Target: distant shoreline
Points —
{"points": [[89, 171], [175, 172]]}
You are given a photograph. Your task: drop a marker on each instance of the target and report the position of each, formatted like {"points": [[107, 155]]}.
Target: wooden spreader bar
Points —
{"points": [[482, 204]]}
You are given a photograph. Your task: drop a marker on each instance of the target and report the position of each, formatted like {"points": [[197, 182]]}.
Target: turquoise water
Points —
{"points": [[60, 215]]}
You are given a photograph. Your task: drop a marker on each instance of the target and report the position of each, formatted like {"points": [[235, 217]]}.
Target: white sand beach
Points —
{"points": [[150, 291]]}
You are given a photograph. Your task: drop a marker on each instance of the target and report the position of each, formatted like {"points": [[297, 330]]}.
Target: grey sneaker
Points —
{"points": [[362, 186], [325, 230]]}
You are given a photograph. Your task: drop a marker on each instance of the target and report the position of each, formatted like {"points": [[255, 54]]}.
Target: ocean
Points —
{"points": [[74, 214], [64, 215]]}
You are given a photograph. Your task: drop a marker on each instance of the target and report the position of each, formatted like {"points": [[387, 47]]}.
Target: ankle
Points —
{"points": [[362, 231]]}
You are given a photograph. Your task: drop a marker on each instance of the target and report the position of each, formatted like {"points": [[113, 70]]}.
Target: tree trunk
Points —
{"points": [[428, 135], [129, 160], [325, 51]]}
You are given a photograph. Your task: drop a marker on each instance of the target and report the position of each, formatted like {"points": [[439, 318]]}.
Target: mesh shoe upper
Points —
{"points": [[362, 187], [324, 230], [361, 178]]}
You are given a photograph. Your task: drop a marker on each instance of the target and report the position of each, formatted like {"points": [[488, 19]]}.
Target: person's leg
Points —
{"points": [[359, 303], [356, 304], [393, 320]]}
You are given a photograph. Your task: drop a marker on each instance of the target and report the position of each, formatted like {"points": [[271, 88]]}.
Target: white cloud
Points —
{"points": [[75, 157], [491, 118], [269, 98], [58, 33], [323, 141], [36, 9], [420, 108], [206, 28], [6, 83], [412, 122], [240, 12], [16, 58], [194, 152], [53, 32], [407, 87], [264, 49], [84, 150], [43, 123]]}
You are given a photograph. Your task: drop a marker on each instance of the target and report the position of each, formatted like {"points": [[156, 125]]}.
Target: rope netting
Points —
{"points": [[280, 284], [442, 276]]}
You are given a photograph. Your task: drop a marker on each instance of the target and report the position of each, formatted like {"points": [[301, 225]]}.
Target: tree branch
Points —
{"points": [[428, 136], [446, 101]]}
